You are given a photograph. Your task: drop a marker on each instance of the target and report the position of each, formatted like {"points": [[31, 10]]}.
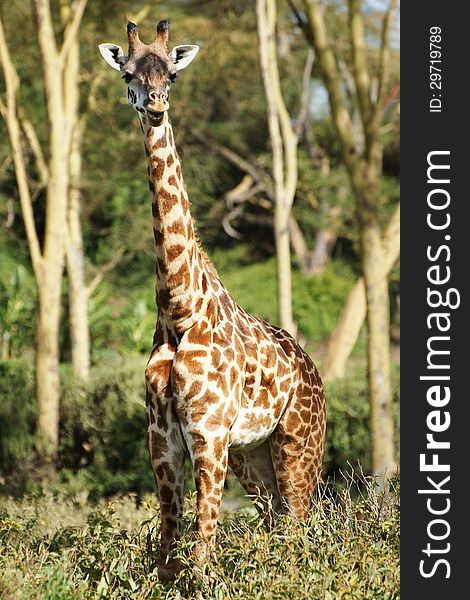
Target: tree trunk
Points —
{"points": [[325, 240], [47, 368], [75, 262], [284, 155], [353, 314], [78, 295], [378, 328], [314, 261], [365, 176], [48, 261], [284, 276]]}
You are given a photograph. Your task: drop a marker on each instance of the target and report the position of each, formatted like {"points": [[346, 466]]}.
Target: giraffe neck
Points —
{"points": [[182, 270]]}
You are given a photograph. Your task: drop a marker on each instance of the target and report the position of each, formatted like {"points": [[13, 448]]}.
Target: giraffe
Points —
{"points": [[221, 385]]}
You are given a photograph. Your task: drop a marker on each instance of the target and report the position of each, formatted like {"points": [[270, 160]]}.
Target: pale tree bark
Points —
{"points": [[50, 282], [48, 261], [284, 140], [365, 176], [75, 262], [353, 314]]}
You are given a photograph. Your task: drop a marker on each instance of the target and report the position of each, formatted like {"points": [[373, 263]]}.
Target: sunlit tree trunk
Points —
{"points": [[75, 262], [353, 314], [284, 156], [364, 170], [50, 282], [48, 260]]}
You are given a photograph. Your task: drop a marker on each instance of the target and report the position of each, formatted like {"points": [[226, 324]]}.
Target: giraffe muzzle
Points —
{"points": [[157, 108], [155, 117]]}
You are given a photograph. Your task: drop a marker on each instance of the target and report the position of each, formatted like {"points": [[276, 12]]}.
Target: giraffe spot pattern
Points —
{"points": [[222, 384]]}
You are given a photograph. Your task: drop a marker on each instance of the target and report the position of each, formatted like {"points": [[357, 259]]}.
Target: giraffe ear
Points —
{"points": [[183, 55], [113, 55]]}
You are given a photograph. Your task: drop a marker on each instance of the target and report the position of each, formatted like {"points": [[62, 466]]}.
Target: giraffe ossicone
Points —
{"points": [[222, 385]]}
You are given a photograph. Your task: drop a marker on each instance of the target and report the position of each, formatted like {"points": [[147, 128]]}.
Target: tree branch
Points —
{"points": [[71, 31], [384, 64], [248, 166], [35, 146], [316, 34], [9, 113], [106, 268], [361, 73]]}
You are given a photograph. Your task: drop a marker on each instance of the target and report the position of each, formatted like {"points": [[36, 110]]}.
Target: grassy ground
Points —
{"points": [[60, 548]]}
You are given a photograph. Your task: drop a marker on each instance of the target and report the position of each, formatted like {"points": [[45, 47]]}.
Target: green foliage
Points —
{"points": [[18, 413], [103, 445], [317, 301], [347, 430], [61, 548], [17, 306], [103, 442]]}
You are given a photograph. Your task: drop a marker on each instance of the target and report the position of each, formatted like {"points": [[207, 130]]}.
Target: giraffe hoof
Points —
{"points": [[169, 571]]}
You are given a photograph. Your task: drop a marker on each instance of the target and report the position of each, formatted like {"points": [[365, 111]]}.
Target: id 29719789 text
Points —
{"points": [[435, 69]]}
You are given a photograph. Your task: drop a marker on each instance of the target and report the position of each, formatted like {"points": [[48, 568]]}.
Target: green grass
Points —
{"points": [[58, 548]]}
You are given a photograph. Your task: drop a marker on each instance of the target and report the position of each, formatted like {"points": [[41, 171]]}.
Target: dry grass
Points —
{"points": [[57, 548]]}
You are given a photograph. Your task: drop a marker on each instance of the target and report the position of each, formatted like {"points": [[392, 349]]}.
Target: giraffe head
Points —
{"points": [[149, 70]]}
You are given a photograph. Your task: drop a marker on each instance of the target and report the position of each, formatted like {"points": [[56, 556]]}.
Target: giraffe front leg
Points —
{"points": [[167, 453], [210, 459], [170, 484]]}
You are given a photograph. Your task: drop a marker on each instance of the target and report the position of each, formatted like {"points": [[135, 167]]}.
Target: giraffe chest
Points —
{"points": [[230, 382], [260, 409]]}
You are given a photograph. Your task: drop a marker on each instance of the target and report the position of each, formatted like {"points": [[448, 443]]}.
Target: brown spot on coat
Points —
{"points": [[158, 168], [181, 277], [161, 142], [174, 251]]}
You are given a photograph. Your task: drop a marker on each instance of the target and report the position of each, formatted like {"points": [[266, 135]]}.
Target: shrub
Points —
{"points": [[55, 548], [103, 446], [347, 429], [18, 411], [103, 430]]}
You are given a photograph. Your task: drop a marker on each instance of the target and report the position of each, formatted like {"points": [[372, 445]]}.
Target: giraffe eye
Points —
{"points": [[173, 77], [128, 77]]}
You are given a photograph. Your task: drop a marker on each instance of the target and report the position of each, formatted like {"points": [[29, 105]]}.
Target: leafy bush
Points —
{"points": [[59, 548], [347, 429], [103, 446], [18, 412], [317, 301], [103, 430]]}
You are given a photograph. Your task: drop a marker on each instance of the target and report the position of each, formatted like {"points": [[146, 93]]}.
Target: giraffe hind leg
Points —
{"points": [[254, 469], [297, 447]]}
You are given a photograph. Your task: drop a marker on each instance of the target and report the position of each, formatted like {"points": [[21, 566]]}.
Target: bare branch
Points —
{"points": [[305, 97], [227, 225], [384, 63], [361, 72], [240, 192], [71, 31], [248, 166], [9, 112], [297, 241], [104, 270], [33, 140]]}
